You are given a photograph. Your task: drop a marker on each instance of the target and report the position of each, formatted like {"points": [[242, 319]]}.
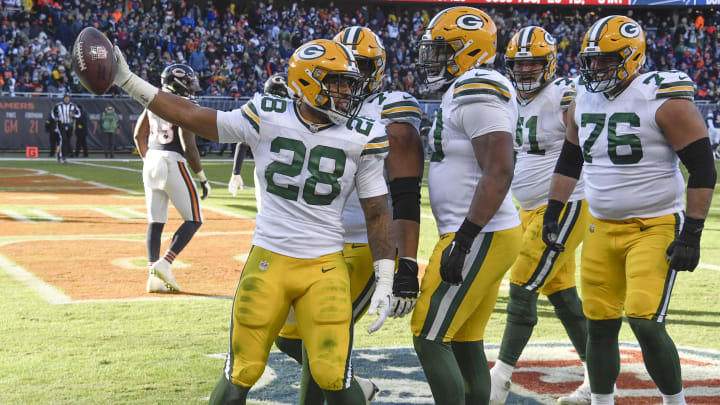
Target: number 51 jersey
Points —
{"points": [[306, 172], [630, 169]]}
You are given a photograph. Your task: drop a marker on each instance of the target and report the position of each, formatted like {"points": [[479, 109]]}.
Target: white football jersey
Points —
{"points": [[630, 170], [479, 102], [386, 107], [539, 138], [306, 172]]}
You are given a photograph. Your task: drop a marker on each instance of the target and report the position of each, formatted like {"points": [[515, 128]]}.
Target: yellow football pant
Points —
{"points": [[460, 313], [539, 268], [362, 283], [319, 290], [624, 267]]}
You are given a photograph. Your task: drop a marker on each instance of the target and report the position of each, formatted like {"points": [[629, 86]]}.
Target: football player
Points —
{"points": [[471, 169], [165, 148], [309, 156], [276, 85], [542, 113], [626, 131], [400, 112]]}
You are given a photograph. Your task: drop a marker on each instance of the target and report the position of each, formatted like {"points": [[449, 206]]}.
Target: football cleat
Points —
{"points": [[162, 269], [499, 388], [581, 396], [155, 285]]}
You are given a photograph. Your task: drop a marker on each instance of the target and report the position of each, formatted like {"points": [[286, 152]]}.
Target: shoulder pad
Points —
{"points": [[400, 106], [377, 143], [565, 88], [482, 85], [670, 84]]}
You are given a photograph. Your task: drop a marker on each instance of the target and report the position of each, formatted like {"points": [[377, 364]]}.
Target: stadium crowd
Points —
{"points": [[234, 50]]}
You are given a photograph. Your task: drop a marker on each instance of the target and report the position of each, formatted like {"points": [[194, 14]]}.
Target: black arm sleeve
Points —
{"points": [[405, 194], [570, 162], [240, 152], [698, 159]]}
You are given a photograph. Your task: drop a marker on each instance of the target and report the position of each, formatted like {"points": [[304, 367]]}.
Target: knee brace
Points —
{"points": [[567, 304], [522, 306]]}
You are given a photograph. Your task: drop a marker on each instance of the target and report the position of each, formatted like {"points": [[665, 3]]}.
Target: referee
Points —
{"points": [[65, 114]]}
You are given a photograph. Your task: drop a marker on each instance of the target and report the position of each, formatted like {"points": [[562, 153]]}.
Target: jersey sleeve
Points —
{"points": [[369, 179], [481, 119], [481, 85], [401, 107], [566, 91], [672, 84], [240, 125]]}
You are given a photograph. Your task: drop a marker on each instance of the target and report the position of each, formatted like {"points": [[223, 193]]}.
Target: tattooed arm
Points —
{"points": [[379, 226]]}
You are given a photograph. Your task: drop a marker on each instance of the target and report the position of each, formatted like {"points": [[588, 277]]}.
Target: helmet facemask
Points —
{"points": [[608, 70], [529, 80], [341, 94], [436, 61], [369, 69]]}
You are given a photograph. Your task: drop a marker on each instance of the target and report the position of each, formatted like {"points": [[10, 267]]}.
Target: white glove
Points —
{"points": [[142, 91], [236, 183], [381, 298]]}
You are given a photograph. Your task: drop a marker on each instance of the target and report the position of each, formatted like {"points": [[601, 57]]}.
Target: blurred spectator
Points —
{"points": [[249, 41]]}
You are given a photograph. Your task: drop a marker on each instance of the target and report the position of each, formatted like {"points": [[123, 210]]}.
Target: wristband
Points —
{"points": [[384, 272], [553, 210], [140, 90], [201, 175], [469, 229]]}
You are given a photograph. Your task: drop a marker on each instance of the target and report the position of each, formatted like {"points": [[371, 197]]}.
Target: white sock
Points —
{"points": [[586, 379], [602, 399], [675, 399], [503, 370]]}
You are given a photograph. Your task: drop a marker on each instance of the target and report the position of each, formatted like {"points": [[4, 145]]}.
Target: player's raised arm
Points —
{"points": [[175, 109]]}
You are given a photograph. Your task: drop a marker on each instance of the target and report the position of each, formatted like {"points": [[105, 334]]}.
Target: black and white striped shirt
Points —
{"points": [[65, 113]]}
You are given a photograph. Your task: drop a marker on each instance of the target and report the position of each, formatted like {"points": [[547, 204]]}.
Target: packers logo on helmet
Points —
{"points": [[530, 59], [324, 75], [368, 50], [455, 40], [612, 51], [470, 22], [311, 51]]}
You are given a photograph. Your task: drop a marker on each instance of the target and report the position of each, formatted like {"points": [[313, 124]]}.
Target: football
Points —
{"points": [[93, 60]]}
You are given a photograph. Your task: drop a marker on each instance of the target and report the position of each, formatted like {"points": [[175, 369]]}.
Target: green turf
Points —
{"points": [[154, 352]]}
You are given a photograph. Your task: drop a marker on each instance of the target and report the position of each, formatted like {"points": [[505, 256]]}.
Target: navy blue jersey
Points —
{"points": [[163, 135]]}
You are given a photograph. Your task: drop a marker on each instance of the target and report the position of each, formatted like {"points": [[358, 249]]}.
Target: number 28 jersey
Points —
{"points": [[630, 169], [306, 172]]}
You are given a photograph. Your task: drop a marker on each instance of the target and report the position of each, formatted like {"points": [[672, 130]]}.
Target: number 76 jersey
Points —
{"points": [[306, 172], [630, 169]]}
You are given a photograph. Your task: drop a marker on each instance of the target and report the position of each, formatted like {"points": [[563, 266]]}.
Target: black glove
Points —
{"points": [[405, 288], [205, 189], [684, 251], [453, 257], [551, 229]]}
